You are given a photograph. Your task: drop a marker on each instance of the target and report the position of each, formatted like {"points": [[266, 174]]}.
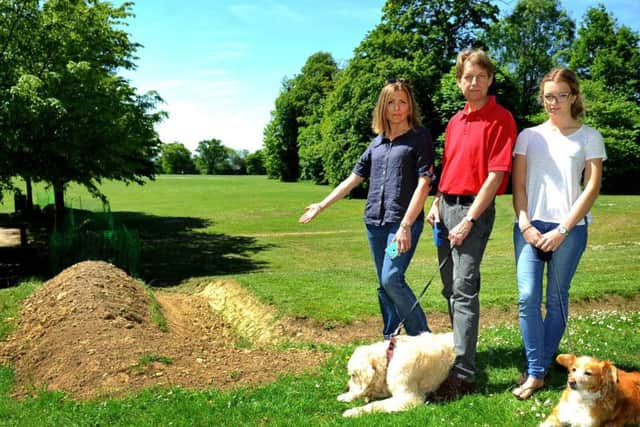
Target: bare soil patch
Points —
{"points": [[88, 332]]}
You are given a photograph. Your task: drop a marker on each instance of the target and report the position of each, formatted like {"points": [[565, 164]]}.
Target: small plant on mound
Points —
{"points": [[147, 359]]}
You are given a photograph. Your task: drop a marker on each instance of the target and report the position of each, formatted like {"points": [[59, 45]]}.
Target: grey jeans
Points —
{"points": [[461, 283]]}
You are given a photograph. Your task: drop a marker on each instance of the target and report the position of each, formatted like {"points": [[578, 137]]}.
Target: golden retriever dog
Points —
{"points": [[419, 364], [597, 394]]}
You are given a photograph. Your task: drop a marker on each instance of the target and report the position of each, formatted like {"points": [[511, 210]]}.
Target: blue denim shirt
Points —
{"points": [[393, 169]]}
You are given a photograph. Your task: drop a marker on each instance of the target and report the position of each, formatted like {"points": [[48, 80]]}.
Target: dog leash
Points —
{"points": [[392, 338], [415, 304]]}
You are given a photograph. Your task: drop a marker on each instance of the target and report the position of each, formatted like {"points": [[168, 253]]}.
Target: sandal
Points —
{"points": [[523, 393], [523, 377]]}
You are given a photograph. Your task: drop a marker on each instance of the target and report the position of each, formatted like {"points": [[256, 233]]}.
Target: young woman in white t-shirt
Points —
{"points": [[552, 213]]}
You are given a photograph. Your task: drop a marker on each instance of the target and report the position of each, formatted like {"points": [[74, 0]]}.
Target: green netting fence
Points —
{"points": [[90, 233]]}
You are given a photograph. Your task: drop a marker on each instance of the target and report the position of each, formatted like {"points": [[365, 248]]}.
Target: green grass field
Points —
{"points": [[200, 228]]}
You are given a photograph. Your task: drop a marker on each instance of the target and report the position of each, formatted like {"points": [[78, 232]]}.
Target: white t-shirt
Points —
{"points": [[555, 163]]}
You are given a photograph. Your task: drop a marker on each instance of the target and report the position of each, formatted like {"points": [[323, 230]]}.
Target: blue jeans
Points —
{"points": [[395, 296], [541, 337]]}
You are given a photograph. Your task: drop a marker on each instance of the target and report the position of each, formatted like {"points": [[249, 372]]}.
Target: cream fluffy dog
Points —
{"points": [[418, 366], [597, 394]]}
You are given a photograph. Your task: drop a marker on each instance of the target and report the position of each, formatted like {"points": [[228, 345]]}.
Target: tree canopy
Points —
{"points": [[418, 40], [292, 136], [528, 43], [66, 114]]}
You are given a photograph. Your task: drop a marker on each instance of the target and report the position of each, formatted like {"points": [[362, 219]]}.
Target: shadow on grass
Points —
{"points": [[173, 249], [513, 357]]}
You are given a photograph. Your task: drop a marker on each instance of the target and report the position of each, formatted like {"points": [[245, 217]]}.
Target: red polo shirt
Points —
{"points": [[477, 143]]}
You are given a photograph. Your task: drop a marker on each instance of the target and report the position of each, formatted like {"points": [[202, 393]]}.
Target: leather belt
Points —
{"points": [[453, 199]]}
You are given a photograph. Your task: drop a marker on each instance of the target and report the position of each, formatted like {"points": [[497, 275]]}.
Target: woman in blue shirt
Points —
{"points": [[399, 166]]}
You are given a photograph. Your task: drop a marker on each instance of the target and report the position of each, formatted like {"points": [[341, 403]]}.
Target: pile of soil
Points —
{"points": [[88, 332]]}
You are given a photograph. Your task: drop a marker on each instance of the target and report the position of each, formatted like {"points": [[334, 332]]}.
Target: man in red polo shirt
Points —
{"points": [[478, 146]]}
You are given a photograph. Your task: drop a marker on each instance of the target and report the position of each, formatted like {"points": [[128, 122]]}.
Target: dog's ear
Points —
{"points": [[566, 360], [611, 371], [378, 365]]}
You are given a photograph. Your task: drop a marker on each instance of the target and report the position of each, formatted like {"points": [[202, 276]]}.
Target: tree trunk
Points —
{"points": [[58, 194], [29, 205]]}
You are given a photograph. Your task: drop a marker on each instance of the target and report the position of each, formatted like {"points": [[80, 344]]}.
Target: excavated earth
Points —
{"points": [[89, 332]]}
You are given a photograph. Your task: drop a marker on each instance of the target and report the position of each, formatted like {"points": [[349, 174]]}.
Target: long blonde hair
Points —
{"points": [[379, 124]]}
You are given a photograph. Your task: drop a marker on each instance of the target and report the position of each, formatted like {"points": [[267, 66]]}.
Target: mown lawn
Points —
{"points": [[202, 228]]}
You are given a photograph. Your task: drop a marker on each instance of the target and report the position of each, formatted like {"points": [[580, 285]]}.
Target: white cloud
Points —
{"points": [[205, 109]]}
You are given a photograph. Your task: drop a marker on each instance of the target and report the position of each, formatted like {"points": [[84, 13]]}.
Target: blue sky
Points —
{"points": [[219, 64]]}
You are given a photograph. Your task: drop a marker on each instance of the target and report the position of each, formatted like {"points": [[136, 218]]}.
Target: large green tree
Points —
{"points": [[312, 86], [529, 42], [16, 52], [210, 156], [255, 163], [175, 158], [618, 119], [281, 137], [416, 40], [607, 53], [292, 136], [66, 109], [607, 58]]}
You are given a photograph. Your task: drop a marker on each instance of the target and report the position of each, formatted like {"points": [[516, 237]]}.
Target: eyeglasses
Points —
{"points": [[550, 98], [479, 78]]}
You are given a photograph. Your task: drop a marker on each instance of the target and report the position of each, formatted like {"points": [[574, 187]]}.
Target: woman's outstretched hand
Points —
{"points": [[310, 212]]}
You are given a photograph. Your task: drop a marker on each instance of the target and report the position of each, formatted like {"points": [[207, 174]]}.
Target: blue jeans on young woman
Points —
{"points": [[395, 296], [542, 337]]}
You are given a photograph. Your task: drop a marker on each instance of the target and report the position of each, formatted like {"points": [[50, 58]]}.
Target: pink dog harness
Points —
{"points": [[392, 346]]}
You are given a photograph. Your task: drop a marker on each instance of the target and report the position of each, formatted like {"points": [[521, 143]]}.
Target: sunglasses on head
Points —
{"points": [[394, 80]]}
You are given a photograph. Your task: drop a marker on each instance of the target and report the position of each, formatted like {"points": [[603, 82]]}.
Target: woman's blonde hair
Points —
{"points": [[565, 75], [379, 124]]}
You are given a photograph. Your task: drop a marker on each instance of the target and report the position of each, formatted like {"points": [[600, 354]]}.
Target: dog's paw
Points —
{"points": [[547, 423], [346, 397], [350, 413]]}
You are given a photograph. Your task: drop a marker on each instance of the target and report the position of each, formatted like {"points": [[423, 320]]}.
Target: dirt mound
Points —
{"points": [[89, 332]]}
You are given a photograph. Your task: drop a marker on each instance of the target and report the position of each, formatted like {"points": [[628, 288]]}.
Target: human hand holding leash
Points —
{"points": [[460, 232], [434, 212]]}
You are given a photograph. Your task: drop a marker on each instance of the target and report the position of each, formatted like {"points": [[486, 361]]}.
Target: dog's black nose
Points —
{"points": [[573, 385]]}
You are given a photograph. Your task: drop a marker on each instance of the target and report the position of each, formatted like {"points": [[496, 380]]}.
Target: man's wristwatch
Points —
{"points": [[470, 219], [563, 230]]}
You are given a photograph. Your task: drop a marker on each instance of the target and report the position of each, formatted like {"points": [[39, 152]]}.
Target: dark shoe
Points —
{"points": [[451, 389]]}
